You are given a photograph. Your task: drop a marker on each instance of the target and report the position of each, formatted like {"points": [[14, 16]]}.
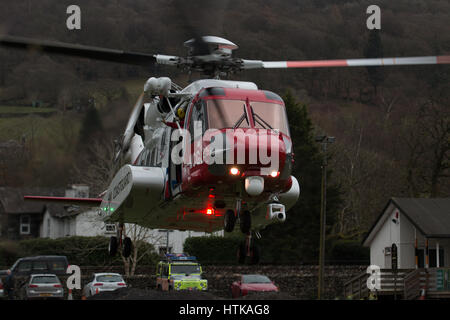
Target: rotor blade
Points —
{"points": [[257, 64], [76, 50]]}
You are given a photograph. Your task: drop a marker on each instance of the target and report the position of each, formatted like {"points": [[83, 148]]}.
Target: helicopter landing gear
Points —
{"points": [[229, 221], [248, 250], [117, 242], [113, 245], [245, 222]]}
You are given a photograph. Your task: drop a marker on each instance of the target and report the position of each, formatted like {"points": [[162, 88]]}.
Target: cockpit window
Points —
{"points": [[233, 114], [269, 116], [227, 114]]}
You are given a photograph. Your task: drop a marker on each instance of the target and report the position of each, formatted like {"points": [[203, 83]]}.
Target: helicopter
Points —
{"points": [[205, 157]]}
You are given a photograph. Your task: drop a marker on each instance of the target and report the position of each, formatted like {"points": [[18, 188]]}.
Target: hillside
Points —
{"points": [[392, 130]]}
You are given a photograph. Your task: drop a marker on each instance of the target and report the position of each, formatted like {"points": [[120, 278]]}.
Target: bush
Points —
{"points": [[213, 250], [9, 253], [349, 252], [83, 251], [91, 251]]}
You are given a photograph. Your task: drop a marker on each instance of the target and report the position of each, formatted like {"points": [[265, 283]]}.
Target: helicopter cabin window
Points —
{"points": [[269, 116], [227, 114], [233, 114], [197, 118]]}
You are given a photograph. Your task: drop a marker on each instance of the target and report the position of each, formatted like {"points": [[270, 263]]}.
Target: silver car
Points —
{"points": [[102, 282], [43, 286]]}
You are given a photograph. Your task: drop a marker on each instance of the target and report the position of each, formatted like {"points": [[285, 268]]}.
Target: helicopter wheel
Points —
{"points": [[245, 221], [229, 221], [113, 245], [127, 246]]}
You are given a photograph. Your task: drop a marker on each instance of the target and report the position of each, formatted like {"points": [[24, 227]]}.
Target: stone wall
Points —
{"points": [[297, 281]]}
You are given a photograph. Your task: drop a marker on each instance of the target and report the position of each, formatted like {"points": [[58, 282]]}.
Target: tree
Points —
{"points": [[297, 239], [428, 141], [144, 241], [374, 49]]}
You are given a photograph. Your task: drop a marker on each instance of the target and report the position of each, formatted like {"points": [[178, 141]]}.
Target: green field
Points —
{"points": [[59, 129], [24, 110]]}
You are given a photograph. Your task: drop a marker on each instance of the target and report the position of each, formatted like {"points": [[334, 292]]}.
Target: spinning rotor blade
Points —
{"points": [[76, 50], [257, 64]]}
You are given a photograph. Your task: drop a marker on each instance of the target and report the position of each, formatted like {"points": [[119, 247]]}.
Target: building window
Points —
{"points": [[25, 225]]}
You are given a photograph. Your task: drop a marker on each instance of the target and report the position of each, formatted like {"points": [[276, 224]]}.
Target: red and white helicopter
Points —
{"points": [[161, 183]]}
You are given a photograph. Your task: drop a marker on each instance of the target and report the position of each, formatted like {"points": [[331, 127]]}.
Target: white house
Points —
{"points": [[420, 228]]}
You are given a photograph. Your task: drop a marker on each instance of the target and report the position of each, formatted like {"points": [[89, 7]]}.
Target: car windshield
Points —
{"points": [[109, 278], [39, 265], [45, 279], [185, 268], [255, 278]]}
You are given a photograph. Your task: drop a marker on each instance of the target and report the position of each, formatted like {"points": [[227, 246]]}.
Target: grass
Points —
{"points": [[24, 110], [57, 129]]}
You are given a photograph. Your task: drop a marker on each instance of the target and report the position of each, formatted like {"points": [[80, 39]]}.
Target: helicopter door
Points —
{"points": [[175, 177]]}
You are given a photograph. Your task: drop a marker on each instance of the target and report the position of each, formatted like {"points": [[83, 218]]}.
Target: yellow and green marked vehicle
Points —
{"points": [[180, 272]]}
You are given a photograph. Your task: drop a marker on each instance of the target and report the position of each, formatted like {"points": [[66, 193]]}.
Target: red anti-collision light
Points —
{"points": [[209, 211]]}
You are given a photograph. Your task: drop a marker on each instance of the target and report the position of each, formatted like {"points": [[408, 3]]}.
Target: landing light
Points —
{"points": [[234, 171], [275, 174]]}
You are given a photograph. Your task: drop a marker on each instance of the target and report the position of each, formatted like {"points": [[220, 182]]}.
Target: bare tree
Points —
{"points": [[428, 141], [140, 237]]}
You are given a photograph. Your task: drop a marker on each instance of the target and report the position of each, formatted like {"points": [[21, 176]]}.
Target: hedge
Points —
{"points": [[212, 249], [349, 252], [83, 251]]}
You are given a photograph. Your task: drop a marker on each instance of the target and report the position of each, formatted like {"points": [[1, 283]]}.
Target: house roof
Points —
{"points": [[11, 199], [431, 216]]}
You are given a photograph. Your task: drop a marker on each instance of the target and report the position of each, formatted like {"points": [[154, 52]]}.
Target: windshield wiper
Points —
{"points": [[244, 116], [260, 120]]}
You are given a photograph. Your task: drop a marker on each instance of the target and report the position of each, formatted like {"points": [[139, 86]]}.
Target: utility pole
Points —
{"points": [[324, 140]]}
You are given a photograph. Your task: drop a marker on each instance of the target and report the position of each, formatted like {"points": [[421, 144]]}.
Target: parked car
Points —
{"points": [[2, 291], [39, 264], [252, 283], [103, 282], [41, 286]]}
